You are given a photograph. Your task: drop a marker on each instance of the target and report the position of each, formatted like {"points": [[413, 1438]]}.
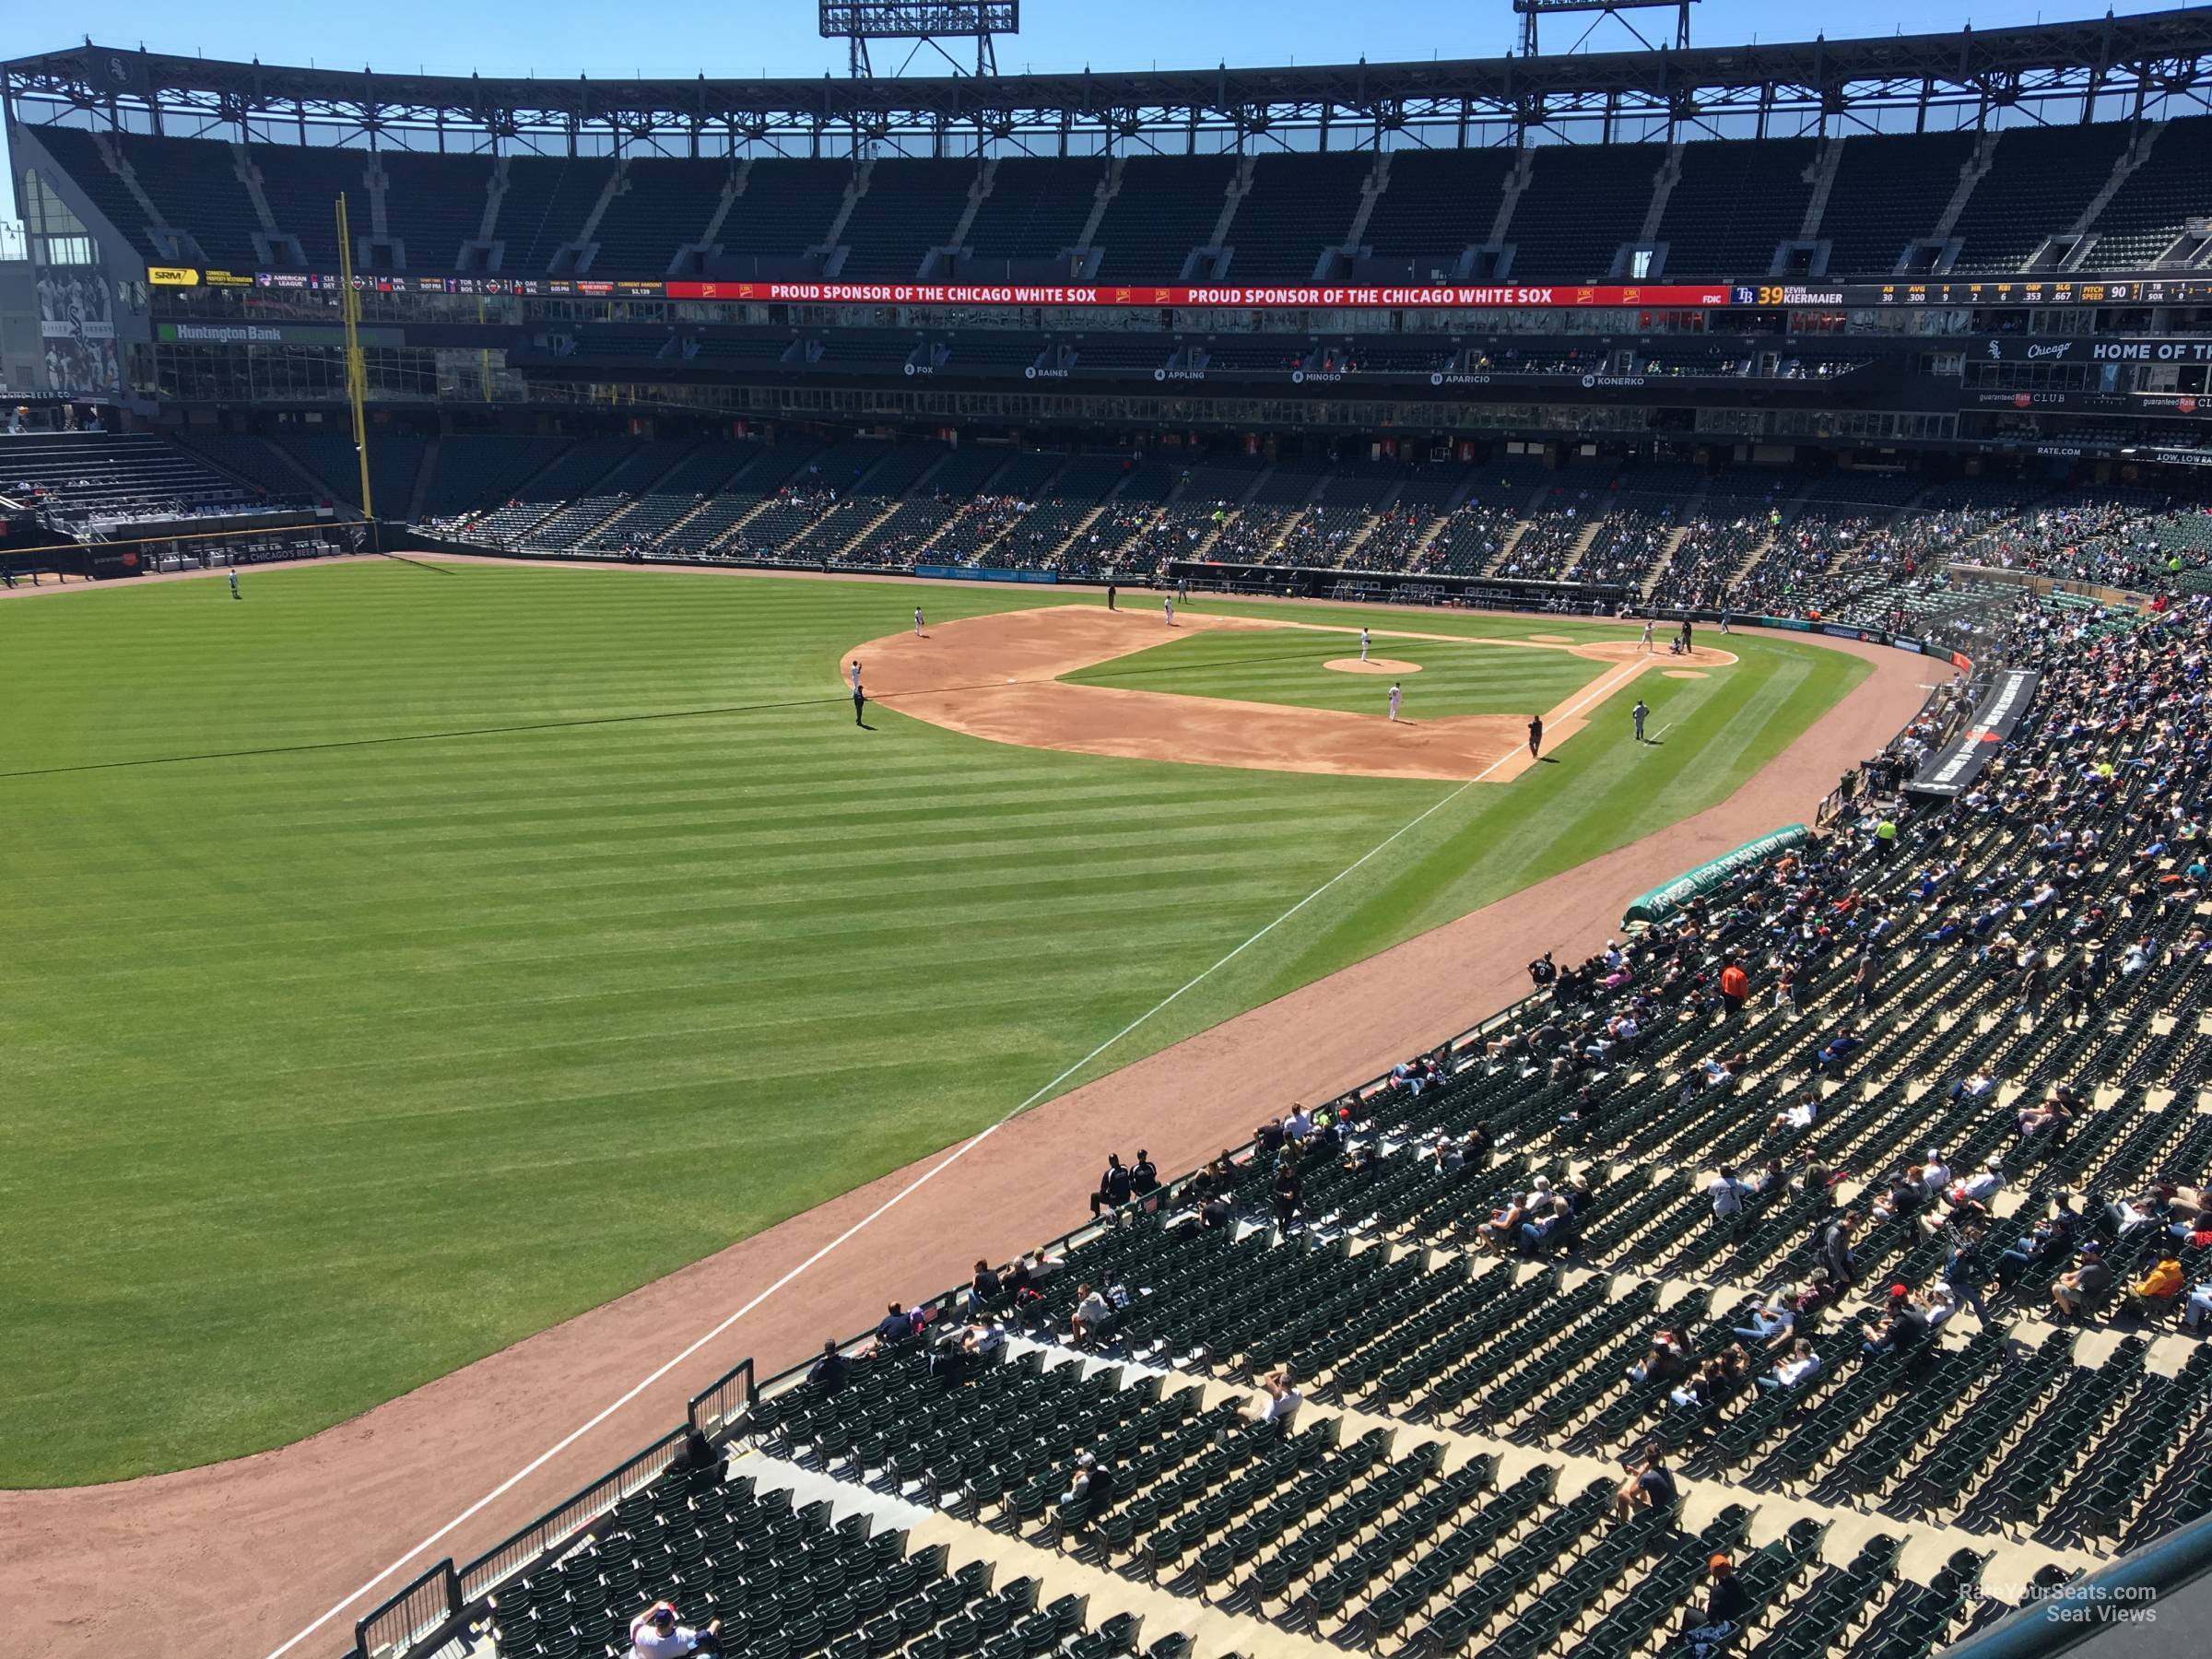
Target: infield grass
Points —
{"points": [[379, 946], [1290, 665]]}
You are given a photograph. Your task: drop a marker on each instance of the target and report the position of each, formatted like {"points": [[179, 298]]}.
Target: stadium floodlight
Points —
{"points": [[925, 22], [1530, 10]]}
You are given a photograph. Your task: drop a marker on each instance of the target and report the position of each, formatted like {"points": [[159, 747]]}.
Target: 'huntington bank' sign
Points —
{"points": [[1951, 771], [1669, 897]]}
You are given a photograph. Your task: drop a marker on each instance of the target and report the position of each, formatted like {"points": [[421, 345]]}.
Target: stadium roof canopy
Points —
{"points": [[2101, 69]]}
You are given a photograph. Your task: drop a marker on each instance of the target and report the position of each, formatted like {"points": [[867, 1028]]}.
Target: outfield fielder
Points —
{"points": [[234, 593], [1397, 694], [860, 698], [1639, 713]]}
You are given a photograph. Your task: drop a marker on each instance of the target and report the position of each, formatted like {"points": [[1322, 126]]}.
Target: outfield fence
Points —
{"points": [[162, 548]]}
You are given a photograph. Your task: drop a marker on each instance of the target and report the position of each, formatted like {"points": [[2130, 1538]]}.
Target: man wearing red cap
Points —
{"points": [[1726, 1605]]}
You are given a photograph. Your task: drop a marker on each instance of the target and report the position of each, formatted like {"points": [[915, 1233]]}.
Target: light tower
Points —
{"points": [[1599, 10], [929, 23]]}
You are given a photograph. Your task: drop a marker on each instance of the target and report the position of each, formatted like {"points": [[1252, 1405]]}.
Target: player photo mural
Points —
{"points": [[77, 321]]}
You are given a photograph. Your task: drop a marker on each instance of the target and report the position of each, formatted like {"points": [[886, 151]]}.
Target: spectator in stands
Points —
{"points": [[2156, 1292], [1829, 1058], [2050, 1240], [1800, 1367], [1832, 1249], [2054, 1116], [1091, 1315], [1280, 1403], [1727, 1194], [1727, 1605], [986, 1290], [1735, 986], [2199, 1307], [896, 1326], [656, 1634], [1972, 1194], [1774, 1324], [2084, 1290], [1650, 1483], [1543, 1229], [1802, 1114], [831, 1371], [1084, 1479], [1289, 1193], [961, 1353], [1962, 1269], [1667, 1361]]}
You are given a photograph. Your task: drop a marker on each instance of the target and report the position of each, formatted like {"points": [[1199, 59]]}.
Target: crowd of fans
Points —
{"points": [[2072, 871]]}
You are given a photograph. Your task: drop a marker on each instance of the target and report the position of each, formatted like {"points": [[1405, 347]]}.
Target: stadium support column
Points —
{"points": [[357, 373]]}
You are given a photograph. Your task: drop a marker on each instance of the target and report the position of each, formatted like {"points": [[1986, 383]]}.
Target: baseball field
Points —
{"points": [[406, 956]]}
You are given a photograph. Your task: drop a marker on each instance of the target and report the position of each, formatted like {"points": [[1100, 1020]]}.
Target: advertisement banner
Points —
{"points": [[1951, 771], [269, 333], [1766, 297], [1275, 299], [977, 573], [1671, 896]]}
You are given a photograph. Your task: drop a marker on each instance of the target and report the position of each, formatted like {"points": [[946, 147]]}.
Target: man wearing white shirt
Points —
{"points": [[1979, 1187], [1802, 1366], [1282, 1401], [1727, 1194], [1298, 1124]]}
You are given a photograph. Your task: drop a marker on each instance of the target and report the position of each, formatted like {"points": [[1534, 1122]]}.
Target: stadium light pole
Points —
{"points": [[356, 373]]}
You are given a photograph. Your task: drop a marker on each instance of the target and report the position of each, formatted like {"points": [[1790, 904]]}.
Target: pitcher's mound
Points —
{"points": [[1372, 666]]}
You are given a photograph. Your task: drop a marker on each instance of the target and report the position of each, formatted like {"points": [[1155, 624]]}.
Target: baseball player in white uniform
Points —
{"points": [[917, 621], [1398, 695], [1364, 644], [1169, 603]]}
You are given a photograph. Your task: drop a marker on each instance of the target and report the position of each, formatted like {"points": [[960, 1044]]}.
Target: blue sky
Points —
{"points": [[684, 37]]}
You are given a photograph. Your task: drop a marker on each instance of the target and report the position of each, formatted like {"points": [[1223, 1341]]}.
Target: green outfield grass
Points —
{"points": [[1287, 665], [404, 959]]}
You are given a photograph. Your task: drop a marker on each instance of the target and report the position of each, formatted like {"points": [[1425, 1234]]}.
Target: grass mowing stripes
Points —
{"points": [[1287, 665], [332, 1062]]}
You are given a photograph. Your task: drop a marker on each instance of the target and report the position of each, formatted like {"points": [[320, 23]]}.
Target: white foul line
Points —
{"points": [[1603, 686]]}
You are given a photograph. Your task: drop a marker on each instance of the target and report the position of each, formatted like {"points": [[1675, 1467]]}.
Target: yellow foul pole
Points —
{"points": [[356, 371]]}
